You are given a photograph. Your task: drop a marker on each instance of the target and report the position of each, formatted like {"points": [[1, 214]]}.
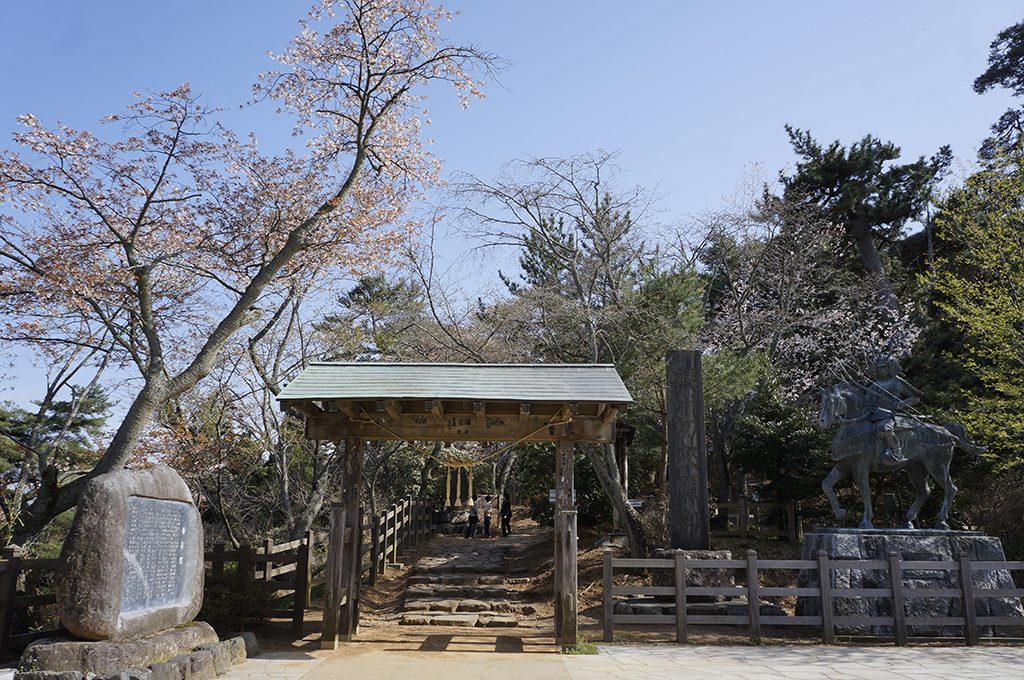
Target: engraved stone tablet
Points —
{"points": [[134, 556], [155, 533]]}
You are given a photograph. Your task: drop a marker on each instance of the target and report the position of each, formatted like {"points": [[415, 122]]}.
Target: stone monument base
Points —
{"points": [[455, 520], [189, 651], [912, 545], [695, 578]]}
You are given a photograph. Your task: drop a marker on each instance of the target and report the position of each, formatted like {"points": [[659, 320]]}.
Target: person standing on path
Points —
{"points": [[488, 506], [506, 516], [474, 518]]}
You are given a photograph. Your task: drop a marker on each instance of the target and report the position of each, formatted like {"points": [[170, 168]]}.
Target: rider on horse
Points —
{"points": [[891, 397]]}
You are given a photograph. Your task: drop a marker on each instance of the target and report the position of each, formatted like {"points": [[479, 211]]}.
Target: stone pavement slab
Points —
{"points": [[383, 661]]}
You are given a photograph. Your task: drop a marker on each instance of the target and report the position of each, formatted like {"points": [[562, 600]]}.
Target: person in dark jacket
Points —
{"points": [[506, 516], [474, 518]]}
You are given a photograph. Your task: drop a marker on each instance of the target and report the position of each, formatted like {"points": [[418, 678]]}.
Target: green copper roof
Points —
{"points": [[481, 382]]}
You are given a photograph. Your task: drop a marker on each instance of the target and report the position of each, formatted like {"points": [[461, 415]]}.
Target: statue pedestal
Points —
{"points": [[912, 545]]}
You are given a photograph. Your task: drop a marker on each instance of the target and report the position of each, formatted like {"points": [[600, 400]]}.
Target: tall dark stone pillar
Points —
{"points": [[687, 458]]}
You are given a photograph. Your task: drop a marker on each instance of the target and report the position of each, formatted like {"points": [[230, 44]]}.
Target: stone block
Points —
{"points": [[113, 656], [416, 619], [695, 578], [417, 606], [48, 675], [178, 668], [131, 674], [444, 606], [497, 621], [221, 657], [473, 606], [236, 649], [458, 620], [919, 545], [132, 563], [201, 665], [252, 645]]}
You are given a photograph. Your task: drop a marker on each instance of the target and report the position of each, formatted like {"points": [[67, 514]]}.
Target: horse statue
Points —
{"points": [[923, 449]]}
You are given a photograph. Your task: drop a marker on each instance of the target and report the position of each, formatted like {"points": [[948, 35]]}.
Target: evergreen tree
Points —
{"points": [[861, 189], [1006, 70]]}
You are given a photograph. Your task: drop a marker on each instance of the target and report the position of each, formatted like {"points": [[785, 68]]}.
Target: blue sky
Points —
{"points": [[690, 93]]}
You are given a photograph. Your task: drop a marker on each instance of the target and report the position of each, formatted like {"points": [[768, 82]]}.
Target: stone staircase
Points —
{"points": [[465, 586]]}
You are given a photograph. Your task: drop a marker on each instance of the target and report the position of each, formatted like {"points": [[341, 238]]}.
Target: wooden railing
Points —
{"points": [[826, 622], [746, 518], [269, 562], [404, 525], [15, 596]]}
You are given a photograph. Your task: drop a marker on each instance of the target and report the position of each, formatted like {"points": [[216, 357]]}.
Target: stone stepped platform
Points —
{"points": [[464, 586]]}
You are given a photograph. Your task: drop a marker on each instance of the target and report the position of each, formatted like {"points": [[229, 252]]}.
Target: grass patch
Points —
{"points": [[580, 648]]}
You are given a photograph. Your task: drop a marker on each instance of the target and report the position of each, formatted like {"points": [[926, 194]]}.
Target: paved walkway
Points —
{"points": [[646, 662]]}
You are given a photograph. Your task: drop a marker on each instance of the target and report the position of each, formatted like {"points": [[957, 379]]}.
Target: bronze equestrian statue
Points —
{"points": [[879, 433]]}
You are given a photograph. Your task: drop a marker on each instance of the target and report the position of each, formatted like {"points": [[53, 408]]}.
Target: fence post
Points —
{"points": [[301, 586], [394, 534], [753, 597], [333, 586], [310, 560], [356, 575], [744, 517], [898, 613], [680, 583], [217, 566], [608, 603], [245, 561], [382, 532], [828, 635], [791, 530], [374, 548], [967, 590], [12, 554], [268, 566]]}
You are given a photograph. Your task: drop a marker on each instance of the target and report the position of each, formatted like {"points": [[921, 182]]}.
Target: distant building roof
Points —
{"points": [[480, 382]]}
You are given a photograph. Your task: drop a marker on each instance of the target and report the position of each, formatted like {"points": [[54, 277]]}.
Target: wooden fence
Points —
{"points": [[15, 568], [897, 592], [746, 518], [290, 568], [405, 524]]}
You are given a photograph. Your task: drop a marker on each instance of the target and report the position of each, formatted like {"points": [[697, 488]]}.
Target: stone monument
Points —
{"points": [[133, 561], [131, 584]]}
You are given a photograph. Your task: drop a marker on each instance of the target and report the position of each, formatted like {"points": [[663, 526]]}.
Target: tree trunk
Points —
{"points": [[502, 477], [870, 259], [52, 501], [429, 463], [602, 458]]}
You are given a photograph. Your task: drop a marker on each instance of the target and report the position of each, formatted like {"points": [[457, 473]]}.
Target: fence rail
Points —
{"points": [[826, 621], [288, 568], [745, 518]]}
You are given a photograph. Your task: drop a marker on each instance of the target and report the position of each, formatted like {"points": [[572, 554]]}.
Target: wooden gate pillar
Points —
{"points": [[565, 547], [352, 571]]}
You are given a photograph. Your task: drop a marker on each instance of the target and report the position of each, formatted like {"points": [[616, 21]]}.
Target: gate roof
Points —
{"points": [[451, 402]]}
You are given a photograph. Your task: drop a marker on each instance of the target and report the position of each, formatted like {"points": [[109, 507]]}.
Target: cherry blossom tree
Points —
{"points": [[159, 239]]}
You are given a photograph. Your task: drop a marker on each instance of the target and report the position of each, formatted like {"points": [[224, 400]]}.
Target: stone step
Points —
{"points": [[458, 579], [454, 605], [485, 620], [421, 591]]}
